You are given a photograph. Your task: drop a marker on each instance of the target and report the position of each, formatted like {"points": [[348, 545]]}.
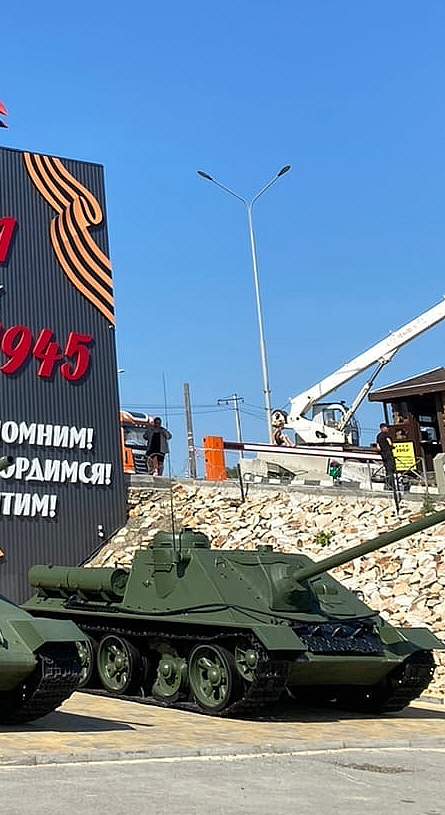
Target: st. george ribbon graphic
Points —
{"points": [[84, 263]]}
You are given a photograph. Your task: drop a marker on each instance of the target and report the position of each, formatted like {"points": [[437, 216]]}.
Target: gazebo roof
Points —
{"points": [[428, 382]]}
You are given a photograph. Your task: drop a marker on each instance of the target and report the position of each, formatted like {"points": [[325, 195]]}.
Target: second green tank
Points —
{"points": [[40, 663]]}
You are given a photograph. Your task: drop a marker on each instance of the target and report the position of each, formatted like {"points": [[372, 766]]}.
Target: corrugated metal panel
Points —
{"points": [[38, 294]]}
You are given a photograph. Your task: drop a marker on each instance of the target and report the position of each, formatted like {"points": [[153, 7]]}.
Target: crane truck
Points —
{"points": [[335, 423], [323, 430]]}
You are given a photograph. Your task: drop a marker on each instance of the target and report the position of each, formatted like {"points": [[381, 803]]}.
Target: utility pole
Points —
{"points": [[235, 400], [190, 440]]}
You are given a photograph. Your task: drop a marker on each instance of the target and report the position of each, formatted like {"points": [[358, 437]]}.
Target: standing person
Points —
{"points": [[384, 445], [157, 446]]}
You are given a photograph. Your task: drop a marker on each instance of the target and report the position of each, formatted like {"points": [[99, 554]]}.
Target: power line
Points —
{"points": [[234, 400]]}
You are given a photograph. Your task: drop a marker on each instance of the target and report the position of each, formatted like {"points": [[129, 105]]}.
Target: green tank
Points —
{"points": [[40, 663], [225, 631], [40, 659]]}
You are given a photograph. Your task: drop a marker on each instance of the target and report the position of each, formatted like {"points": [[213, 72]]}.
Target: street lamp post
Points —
{"points": [[263, 355]]}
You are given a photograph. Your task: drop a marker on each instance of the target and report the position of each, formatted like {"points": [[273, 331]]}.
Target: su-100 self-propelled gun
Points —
{"points": [[40, 659], [226, 631]]}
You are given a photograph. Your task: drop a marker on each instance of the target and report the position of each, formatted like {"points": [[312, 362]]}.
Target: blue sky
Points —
{"points": [[351, 242]]}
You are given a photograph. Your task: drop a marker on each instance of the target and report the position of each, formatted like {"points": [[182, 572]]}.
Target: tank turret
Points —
{"points": [[226, 630]]}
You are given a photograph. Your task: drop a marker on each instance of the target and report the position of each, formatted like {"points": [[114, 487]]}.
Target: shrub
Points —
{"points": [[323, 538]]}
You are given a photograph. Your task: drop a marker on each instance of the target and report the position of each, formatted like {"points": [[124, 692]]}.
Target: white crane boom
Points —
{"points": [[379, 353]]}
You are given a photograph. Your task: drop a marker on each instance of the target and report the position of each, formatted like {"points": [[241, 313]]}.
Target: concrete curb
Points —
{"points": [[159, 754]]}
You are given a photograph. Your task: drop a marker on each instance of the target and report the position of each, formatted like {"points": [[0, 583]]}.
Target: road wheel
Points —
{"points": [[214, 680], [171, 678], [246, 659], [88, 655], [119, 665]]}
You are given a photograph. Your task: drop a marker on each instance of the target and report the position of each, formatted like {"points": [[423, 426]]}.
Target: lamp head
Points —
{"points": [[284, 170], [205, 175]]}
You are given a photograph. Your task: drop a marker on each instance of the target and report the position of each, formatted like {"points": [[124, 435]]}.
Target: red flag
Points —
{"points": [[3, 109]]}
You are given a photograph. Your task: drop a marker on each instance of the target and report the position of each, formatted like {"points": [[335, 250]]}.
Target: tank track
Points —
{"points": [[408, 681], [54, 679], [404, 684], [267, 686]]}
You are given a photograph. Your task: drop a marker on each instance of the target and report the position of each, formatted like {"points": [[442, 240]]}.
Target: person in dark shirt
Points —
{"points": [[157, 438], [384, 446]]}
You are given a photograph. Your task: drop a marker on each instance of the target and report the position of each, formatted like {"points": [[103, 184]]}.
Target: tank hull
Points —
{"points": [[156, 660]]}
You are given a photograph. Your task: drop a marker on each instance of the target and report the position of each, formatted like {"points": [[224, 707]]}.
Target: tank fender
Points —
{"points": [[39, 630], [422, 638], [404, 641], [279, 638]]}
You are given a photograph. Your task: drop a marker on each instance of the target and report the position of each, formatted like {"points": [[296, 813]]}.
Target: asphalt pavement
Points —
{"points": [[402, 781], [96, 728]]}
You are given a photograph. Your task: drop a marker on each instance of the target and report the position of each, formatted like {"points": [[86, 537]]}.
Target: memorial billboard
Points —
{"points": [[59, 406]]}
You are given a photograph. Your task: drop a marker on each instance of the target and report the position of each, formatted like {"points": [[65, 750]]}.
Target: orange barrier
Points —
{"points": [[214, 459]]}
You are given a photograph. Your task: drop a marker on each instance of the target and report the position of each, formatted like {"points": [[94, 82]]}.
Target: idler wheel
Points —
{"points": [[214, 680], [171, 678], [119, 665]]}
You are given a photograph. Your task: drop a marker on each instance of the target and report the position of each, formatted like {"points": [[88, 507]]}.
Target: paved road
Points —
{"points": [[340, 782], [95, 728]]}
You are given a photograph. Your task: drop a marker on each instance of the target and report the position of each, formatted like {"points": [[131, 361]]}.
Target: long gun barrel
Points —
{"points": [[368, 546], [5, 462]]}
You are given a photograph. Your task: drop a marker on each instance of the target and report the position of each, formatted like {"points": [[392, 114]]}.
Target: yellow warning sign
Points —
{"points": [[404, 455]]}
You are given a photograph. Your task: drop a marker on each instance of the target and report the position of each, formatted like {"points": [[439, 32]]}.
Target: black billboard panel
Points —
{"points": [[59, 407]]}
